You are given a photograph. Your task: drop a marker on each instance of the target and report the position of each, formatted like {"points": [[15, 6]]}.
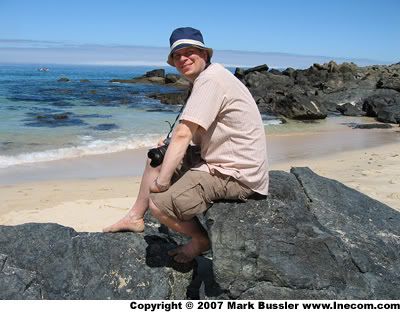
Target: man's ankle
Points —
{"points": [[134, 216]]}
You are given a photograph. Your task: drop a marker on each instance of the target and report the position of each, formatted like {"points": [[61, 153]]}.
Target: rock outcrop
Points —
{"points": [[157, 76], [324, 88], [307, 94], [311, 238], [49, 261], [175, 98]]}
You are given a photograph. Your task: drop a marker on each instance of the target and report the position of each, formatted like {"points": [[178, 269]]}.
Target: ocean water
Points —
{"points": [[42, 119]]}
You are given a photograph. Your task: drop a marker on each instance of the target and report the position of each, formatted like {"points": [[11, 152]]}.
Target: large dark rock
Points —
{"points": [[392, 82], [349, 109], [240, 73], [63, 80], [170, 98], [371, 126], [326, 85], [171, 78], [312, 238], [384, 105], [294, 106], [156, 73], [49, 261], [157, 77]]}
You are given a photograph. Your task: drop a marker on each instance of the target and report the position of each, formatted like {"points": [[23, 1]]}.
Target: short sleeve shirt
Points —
{"points": [[231, 136]]}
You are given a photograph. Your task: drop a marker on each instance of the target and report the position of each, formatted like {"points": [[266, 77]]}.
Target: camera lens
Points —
{"points": [[156, 155]]}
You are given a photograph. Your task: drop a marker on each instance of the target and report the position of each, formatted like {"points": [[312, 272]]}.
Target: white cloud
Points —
{"points": [[47, 52]]}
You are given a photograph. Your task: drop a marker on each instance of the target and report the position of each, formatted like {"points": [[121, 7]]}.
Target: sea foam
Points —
{"points": [[94, 147]]}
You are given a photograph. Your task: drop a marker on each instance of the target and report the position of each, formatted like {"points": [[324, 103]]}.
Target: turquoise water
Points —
{"points": [[42, 119]]}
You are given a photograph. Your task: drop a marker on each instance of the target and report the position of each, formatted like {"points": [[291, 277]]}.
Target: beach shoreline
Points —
{"points": [[291, 141], [92, 192]]}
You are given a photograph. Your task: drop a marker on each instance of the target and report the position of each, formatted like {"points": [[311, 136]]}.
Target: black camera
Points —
{"points": [[156, 155]]}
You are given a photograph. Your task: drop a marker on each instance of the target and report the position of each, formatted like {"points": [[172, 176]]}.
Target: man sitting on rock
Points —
{"points": [[222, 118]]}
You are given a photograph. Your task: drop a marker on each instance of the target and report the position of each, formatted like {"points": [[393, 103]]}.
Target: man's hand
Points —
{"points": [[180, 140]]}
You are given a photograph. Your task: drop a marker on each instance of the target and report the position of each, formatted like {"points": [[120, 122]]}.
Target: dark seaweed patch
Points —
{"points": [[53, 120], [160, 110], [105, 126], [62, 103], [94, 115]]}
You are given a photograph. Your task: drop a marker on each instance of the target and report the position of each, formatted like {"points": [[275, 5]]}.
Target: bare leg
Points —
{"points": [[133, 220], [192, 228]]}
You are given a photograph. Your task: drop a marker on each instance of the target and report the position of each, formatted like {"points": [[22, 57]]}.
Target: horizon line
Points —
{"points": [[71, 45]]}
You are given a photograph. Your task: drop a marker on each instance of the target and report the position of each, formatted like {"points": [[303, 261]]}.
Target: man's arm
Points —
{"points": [[180, 140]]}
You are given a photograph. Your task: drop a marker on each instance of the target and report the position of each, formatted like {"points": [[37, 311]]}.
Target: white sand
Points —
{"points": [[85, 205], [374, 171]]}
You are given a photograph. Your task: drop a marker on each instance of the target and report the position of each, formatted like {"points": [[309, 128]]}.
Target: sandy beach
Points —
{"points": [[90, 193]]}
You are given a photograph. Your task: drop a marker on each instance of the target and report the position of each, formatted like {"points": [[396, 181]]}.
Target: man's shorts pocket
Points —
{"points": [[189, 203]]}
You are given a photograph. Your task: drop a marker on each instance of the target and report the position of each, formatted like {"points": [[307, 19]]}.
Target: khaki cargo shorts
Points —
{"points": [[194, 192]]}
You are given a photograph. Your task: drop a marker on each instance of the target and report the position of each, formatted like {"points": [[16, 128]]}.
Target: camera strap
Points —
{"points": [[186, 99], [179, 114]]}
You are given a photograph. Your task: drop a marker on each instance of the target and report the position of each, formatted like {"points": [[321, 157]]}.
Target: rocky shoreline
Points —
{"points": [[311, 238], [310, 94]]}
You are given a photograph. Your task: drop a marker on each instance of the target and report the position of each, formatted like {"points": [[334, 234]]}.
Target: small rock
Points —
{"points": [[63, 80]]}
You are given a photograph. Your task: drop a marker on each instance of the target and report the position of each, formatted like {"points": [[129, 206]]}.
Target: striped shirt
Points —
{"points": [[231, 136]]}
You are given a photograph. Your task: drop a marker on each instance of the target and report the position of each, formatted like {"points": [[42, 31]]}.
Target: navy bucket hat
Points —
{"points": [[184, 37]]}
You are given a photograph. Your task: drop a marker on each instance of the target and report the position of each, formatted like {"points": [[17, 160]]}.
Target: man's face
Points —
{"points": [[190, 62]]}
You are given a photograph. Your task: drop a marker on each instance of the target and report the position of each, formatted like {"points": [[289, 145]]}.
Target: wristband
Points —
{"points": [[161, 187]]}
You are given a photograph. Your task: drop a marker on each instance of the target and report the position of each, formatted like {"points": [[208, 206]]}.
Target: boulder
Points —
{"points": [[389, 83], [170, 98], [182, 83], [312, 238], [372, 126], [384, 105], [349, 109], [261, 82], [156, 73], [289, 72], [171, 78], [260, 68], [241, 72], [156, 80], [63, 80], [347, 68], [50, 261], [299, 106], [275, 71]]}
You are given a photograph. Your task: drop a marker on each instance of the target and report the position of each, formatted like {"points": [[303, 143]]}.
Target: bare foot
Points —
{"points": [[127, 223], [187, 252]]}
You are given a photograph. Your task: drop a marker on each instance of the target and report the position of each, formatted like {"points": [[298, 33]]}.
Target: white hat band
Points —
{"points": [[187, 41]]}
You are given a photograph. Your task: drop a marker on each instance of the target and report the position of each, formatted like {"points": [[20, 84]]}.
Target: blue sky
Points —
{"points": [[111, 31]]}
